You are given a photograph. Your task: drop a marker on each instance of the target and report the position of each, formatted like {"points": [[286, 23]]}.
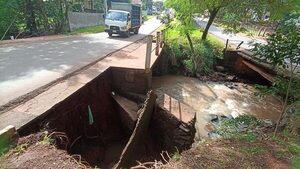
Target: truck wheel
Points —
{"points": [[136, 30], [127, 34], [109, 34]]}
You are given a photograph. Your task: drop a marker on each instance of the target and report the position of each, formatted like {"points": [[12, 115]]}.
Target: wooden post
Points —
{"points": [[226, 46], [239, 45], [157, 43], [148, 53], [179, 107]]}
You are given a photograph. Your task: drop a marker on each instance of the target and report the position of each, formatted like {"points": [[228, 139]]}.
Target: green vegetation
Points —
{"points": [[282, 50], [255, 150], [240, 128], [147, 17], [290, 147], [196, 62], [19, 149], [173, 34], [238, 149], [176, 155], [91, 29], [27, 18], [46, 140], [235, 13]]}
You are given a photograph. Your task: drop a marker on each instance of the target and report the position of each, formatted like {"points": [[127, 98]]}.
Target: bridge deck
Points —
{"points": [[132, 56]]}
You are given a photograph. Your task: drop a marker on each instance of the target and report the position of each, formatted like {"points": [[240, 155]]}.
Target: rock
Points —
{"points": [[213, 135], [268, 123], [229, 116], [210, 127], [242, 127], [213, 118], [220, 68], [230, 78], [222, 117]]}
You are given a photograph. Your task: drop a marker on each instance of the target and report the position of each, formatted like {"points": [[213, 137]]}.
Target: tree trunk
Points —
{"points": [[41, 9], [190, 42], [67, 16], [30, 17], [212, 16], [286, 99]]}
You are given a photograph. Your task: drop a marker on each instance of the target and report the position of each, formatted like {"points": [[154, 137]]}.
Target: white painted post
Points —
{"points": [[162, 38], [157, 43], [148, 53]]}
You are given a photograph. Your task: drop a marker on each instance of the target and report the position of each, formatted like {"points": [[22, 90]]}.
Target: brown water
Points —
{"points": [[220, 98]]}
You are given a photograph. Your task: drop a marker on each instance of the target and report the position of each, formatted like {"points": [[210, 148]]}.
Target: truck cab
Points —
{"points": [[122, 19], [117, 22]]}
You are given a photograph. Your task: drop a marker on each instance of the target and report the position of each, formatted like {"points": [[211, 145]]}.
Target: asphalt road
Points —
{"points": [[234, 39], [27, 66]]}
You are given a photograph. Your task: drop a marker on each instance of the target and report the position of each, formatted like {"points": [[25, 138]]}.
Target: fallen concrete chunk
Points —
{"points": [[130, 152], [128, 111], [8, 136]]}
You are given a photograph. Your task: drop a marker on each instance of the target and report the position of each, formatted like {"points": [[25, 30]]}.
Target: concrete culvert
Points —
{"points": [[109, 129]]}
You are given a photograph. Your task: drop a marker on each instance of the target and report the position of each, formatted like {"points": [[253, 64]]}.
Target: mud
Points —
{"points": [[220, 98]]}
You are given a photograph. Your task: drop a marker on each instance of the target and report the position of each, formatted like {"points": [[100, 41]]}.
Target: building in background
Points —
{"points": [[85, 13]]}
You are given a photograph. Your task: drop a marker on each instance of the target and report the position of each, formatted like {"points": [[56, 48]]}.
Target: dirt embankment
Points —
{"points": [[37, 151], [234, 155]]}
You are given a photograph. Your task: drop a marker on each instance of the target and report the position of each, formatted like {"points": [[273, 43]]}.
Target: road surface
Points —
{"points": [[27, 66], [234, 39]]}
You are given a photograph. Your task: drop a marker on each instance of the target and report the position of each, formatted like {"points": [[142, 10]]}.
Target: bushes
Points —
{"points": [[183, 59], [241, 128], [201, 62], [278, 88]]}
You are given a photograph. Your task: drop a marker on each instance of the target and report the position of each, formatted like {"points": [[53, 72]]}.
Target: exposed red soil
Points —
{"points": [[34, 152], [41, 156]]}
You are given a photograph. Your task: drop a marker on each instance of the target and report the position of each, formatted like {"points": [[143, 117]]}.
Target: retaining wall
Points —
{"points": [[81, 19]]}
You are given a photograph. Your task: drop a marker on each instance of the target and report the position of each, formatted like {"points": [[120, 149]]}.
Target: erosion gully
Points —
{"points": [[99, 119]]}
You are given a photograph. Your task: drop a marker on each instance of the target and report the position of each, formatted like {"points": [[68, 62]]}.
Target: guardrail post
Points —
{"points": [[157, 43], [162, 38], [148, 53]]}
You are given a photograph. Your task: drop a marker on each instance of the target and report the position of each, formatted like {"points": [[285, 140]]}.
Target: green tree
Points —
{"points": [[283, 50], [11, 16], [184, 12], [245, 8]]}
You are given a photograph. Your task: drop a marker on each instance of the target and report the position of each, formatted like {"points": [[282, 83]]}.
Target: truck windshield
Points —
{"points": [[119, 16]]}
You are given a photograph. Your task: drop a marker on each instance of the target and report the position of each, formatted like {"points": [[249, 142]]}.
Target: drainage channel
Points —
{"points": [[112, 122]]}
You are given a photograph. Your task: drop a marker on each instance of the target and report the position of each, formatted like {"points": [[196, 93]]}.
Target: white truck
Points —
{"points": [[123, 18]]}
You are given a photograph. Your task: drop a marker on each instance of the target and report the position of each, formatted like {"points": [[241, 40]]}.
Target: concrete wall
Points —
{"points": [[131, 80], [81, 19]]}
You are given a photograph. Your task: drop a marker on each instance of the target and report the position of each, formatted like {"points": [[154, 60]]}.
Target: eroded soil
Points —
{"points": [[36, 151]]}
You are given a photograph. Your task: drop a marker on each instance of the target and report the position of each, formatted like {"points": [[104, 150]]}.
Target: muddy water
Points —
{"points": [[220, 98]]}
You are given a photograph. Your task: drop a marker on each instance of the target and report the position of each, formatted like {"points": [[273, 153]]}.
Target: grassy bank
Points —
{"points": [[174, 35], [87, 30], [147, 17], [184, 60], [253, 147]]}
